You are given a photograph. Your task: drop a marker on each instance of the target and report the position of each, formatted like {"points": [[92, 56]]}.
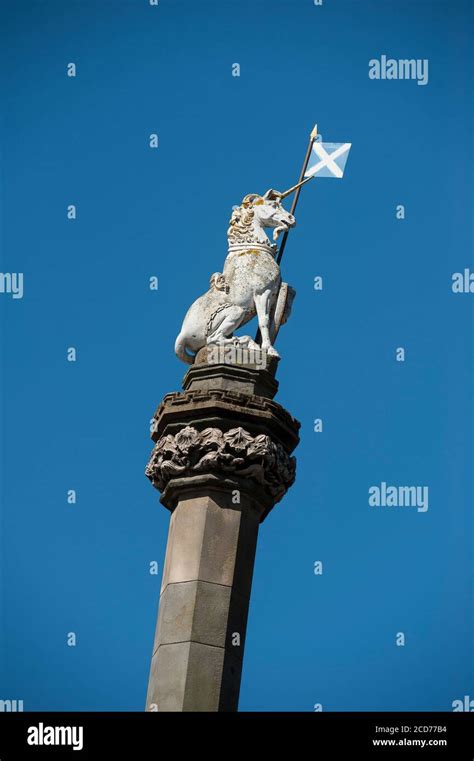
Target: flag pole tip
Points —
{"points": [[314, 132]]}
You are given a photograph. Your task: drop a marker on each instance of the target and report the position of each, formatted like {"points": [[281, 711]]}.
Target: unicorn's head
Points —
{"points": [[257, 212]]}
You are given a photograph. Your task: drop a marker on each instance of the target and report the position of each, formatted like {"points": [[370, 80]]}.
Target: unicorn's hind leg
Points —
{"points": [[224, 324]]}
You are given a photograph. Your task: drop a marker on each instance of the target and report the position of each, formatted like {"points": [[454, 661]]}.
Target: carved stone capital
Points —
{"points": [[224, 433], [262, 462]]}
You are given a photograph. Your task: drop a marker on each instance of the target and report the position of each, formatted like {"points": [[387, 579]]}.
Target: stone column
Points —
{"points": [[222, 460]]}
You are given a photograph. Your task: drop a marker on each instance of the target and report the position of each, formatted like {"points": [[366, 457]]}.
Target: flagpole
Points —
{"points": [[297, 188]]}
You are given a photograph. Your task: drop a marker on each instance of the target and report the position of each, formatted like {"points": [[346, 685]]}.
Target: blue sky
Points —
{"points": [[83, 568]]}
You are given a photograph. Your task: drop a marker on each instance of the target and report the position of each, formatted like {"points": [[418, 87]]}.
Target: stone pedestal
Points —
{"points": [[222, 459]]}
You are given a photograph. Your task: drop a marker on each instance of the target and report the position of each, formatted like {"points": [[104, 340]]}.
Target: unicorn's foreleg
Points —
{"points": [[262, 305]]}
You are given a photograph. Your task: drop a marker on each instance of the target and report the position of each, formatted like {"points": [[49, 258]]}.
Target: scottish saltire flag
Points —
{"points": [[328, 159]]}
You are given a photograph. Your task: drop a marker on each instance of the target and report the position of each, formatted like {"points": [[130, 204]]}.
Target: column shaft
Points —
{"points": [[204, 600]]}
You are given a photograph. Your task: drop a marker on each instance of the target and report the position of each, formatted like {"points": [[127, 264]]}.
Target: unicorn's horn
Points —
{"points": [[295, 187]]}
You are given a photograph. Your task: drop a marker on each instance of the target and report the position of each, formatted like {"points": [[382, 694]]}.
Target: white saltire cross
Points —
{"points": [[328, 160]]}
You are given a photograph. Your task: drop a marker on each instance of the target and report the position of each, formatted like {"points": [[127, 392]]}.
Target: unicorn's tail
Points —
{"points": [[180, 350]]}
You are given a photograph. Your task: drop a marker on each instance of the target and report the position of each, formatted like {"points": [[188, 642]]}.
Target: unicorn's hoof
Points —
{"points": [[272, 352]]}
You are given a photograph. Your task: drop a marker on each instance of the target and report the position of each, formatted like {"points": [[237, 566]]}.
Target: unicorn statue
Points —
{"points": [[250, 283]]}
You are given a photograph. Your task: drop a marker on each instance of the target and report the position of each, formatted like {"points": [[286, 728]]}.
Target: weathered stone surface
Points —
{"points": [[225, 409], [194, 611], [191, 452], [222, 459], [247, 379], [186, 677], [205, 592], [207, 536]]}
